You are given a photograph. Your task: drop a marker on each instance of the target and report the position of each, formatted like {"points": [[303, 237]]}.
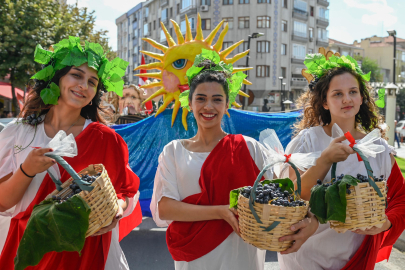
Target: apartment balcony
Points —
{"points": [[323, 2], [322, 21], [191, 9], [322, 42], [164, 2], [297, 60], [296, 69], [300, 14], [299, 36], [299, 82]]}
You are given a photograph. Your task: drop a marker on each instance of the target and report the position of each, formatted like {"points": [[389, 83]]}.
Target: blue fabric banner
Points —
{"points": [[147, 138]]}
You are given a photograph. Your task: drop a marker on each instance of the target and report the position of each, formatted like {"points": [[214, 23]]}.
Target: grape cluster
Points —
{"points": [[33, 119], [364, 178], [273, 194], [75, 189], [312, 84]]}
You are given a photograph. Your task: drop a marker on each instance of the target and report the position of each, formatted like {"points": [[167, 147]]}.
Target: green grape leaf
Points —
{"points": [[95, 47], [211, 54], [380, 102], [53, 227], [44, 74], [51, 95], [235, 84], [233, 198], [42, 56], [74, 58], [318, 204], [192, 72], [183, 98], [93, 60]]}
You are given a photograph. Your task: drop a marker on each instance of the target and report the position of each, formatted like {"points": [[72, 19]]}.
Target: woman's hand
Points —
{"points": [[374, 230], [37, 162], [336, 151], [305, 228], [108, 228], [229, 215]]}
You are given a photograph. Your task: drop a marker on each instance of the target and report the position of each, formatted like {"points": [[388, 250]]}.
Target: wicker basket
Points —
{"points": [[366, 203], [102, 200], [261, 225]]}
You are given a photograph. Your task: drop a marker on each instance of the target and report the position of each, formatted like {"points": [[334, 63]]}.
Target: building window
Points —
{"points": [[311, 33], [164, 14], [178, 8], [300, 6], [206, 24], [171, 12], [243, 47], [323, 13], [284, 26], [299, 51], [226, 44], [403, 56], [243, 22], [145, 29], [300, 29], [244, 1], [284, 72], [262, 71], [323, 34], [284, 3], [229, 21], [206, 2], [227, 2], [263, 46], [264, 1], [162, 36], [283, 49], [154, 24], [186, 3], [183, 27], [146, 12], [263, 22], [310, 51]]}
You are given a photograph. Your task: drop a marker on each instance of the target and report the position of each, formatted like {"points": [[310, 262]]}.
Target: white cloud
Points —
{"points": [[341, 34], [377, 11], [112, 31], [121, 5]]}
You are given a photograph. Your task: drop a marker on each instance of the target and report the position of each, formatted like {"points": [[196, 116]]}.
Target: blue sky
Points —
{"points": [[349, 19]]}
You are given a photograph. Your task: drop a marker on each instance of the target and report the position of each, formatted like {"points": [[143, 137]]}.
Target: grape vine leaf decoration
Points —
{"points": [[380, 102], [50, 95], [53, 226]]}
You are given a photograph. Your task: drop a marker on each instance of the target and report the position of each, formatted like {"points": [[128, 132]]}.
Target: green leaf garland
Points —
{"points": [[51, 95]]}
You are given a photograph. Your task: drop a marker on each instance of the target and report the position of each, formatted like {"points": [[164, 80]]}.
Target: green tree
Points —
{"points": [[25, 23], [367, 65]]}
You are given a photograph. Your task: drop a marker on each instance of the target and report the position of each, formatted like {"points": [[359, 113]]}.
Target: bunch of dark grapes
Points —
{"points": [[312, 84], [273, 194], [364, 178], [33, 119], [75, 189]]}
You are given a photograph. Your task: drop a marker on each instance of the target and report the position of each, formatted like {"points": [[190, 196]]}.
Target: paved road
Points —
{"points": [[145, 249]]}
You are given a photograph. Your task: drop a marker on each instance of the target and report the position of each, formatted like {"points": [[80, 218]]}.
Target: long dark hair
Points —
{"points": [[35, 105], [315, 114]]}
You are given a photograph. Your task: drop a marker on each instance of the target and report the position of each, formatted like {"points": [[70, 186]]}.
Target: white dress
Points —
{"points": [[327, 249], [177, 177], [21, 135]]}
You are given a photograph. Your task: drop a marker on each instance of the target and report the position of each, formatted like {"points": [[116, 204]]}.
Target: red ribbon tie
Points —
{"points": [[352, 142], [287, 158]]}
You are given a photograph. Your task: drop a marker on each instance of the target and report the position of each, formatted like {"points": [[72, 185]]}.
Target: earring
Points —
{"points": [[91, 103]]}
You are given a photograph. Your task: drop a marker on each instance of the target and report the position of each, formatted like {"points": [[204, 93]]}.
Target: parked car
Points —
{"points": [[1, 127], [400, 128], [4, 122]]}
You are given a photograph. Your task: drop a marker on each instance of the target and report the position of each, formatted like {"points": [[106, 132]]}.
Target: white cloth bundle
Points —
{"points": [[302, 161]]}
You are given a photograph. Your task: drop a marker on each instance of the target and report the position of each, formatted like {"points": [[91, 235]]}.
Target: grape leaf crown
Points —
{"points": [[69, 52], [320, 63], [234, 81]]}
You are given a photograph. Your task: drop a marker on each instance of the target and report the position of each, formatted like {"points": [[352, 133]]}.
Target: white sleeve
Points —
{"points": [[165, 184], [259, 154], [385, 158], [7, 142]]}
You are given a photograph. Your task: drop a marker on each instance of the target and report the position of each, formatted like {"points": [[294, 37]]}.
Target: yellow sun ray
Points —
{"points": [[189, 36], [184, 118], [157, 56], [218, 46], [175, 109], [155, 75], [161, 91], [155, 65], [169, 38], [237, 105], [235, 70], [227, 113], [177, 30], [155, 44], [151, 85], [214, 32], [243, 93], [247, 82], [236, 57], [199, 34], [169, 98], [228, 50]]}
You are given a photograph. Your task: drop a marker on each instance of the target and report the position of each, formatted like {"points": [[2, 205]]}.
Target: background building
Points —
{"points": [[291, 28]]}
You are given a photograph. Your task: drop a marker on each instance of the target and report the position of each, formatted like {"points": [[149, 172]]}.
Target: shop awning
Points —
{"points": [[5, 91]]}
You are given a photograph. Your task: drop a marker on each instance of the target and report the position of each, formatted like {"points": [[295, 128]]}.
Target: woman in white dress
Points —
{"points": [[24, 181], [194, 178], [340, 97]]}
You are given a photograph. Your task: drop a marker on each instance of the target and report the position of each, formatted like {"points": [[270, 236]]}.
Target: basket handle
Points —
{"points": [[84, 185], [253, 194], [368, 169]]}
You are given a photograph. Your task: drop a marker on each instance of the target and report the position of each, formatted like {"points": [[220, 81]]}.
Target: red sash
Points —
{"points": [[126, 183], [376, 248], [229, 166]]}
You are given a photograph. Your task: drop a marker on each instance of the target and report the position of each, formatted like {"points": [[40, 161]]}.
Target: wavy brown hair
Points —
{"points": [[35, 105], [314, 114]]}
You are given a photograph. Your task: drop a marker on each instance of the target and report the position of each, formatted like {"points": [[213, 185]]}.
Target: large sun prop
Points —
{"points": [[177, 58]]}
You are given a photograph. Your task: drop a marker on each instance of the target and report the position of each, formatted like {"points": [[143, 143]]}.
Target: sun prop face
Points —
{"points": [[178, 57]]}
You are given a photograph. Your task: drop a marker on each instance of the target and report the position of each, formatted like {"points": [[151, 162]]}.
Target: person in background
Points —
{"points": [[131, 100], [265, 108], [10, 115], [397, 135]]}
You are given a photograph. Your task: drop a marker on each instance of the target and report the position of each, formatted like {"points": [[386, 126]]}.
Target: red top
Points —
{"points": [[376, 248], [97, 144], [227, 167]]}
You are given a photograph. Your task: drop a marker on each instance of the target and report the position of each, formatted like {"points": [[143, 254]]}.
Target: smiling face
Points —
{"points": [[78, 87], [343, 98], [209, 104]]}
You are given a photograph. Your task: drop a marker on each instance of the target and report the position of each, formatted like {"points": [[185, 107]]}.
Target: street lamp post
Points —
{"points": [[281, 93], [391, 89], [254, 35], [393, 33]]}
